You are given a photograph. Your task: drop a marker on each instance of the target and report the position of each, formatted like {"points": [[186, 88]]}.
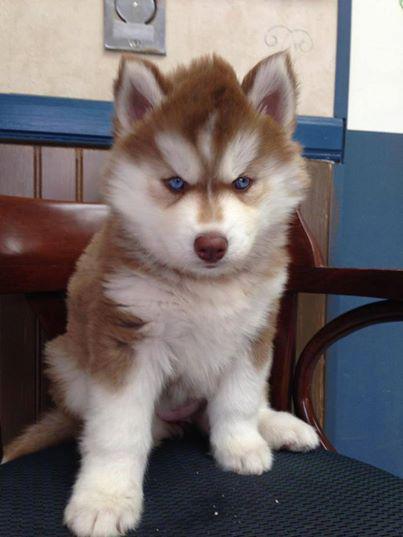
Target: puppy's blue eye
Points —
{"points": [[176, 184], [242, 183]]}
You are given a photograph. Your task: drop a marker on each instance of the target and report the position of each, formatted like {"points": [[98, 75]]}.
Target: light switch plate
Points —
{"points": [[135, 25]]}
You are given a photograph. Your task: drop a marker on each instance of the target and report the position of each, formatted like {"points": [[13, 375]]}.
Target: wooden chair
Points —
{"points": [[320, 493]]}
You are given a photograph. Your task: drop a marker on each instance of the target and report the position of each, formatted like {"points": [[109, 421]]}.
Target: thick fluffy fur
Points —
{"points": [[151, 326]]}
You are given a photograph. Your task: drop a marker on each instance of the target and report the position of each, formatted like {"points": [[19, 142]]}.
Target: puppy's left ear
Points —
{"points": [[139, 88], [271, 88]]}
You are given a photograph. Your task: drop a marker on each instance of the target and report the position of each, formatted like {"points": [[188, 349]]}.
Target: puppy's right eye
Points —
{"points": [[175, 184]]}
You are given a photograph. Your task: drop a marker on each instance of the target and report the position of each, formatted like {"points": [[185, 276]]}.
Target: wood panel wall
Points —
{"points": [[62, 173], [66, 173]]}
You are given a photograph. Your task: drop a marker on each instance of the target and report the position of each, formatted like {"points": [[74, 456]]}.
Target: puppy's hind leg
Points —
{"points": [[283, 430], [162, 430], [68, 390]]}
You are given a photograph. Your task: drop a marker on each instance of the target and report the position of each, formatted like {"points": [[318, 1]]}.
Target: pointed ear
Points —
{"points": [[140, 86], [271, 88]]}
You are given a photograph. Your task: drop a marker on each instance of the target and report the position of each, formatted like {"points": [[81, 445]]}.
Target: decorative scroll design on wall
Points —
{"points": [[280, 37]]}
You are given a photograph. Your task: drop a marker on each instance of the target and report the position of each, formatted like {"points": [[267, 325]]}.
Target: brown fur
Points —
{"points": [[209, 207], [213, 87], [102, 332]]}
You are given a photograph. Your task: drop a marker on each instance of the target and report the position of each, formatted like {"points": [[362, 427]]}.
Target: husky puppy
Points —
{"points": [[172, 307]]}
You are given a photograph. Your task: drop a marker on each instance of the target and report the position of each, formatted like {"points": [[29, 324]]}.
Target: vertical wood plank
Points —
{"points": [[312, 308], [316, 208], [93, 164], [37, 172], [16, 170], [59, 173], [79, 175]]}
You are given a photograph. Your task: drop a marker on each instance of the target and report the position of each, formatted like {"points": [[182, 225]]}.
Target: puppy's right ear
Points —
{"points": [[140, 86]]}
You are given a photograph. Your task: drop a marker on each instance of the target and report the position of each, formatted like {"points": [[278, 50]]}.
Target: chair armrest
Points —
{"points": [[376, 312], [40, 241], [376, 283]]}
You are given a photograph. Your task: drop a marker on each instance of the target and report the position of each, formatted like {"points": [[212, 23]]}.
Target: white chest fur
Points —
{"points": [[203, 324]]}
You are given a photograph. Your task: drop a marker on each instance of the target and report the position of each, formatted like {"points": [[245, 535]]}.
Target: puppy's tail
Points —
{"points": [[52, 428]]}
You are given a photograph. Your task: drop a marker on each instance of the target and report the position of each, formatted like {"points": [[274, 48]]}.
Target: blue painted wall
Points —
{"points": [[364, 376]]}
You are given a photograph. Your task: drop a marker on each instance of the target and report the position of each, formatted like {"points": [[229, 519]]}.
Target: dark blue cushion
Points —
{"points": [[314, 494]]}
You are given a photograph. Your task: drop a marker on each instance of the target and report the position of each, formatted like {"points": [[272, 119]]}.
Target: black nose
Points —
{"points": [[211, 247]]}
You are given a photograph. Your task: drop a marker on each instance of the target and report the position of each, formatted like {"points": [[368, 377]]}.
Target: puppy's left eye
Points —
{"points": [[242, 183], [176, 184]]}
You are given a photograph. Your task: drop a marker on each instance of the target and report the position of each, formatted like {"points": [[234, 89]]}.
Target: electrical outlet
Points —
{"points": [[135, 25]]}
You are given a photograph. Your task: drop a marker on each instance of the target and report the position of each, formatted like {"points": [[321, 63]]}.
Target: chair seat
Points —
{"points": [[312, 494]]}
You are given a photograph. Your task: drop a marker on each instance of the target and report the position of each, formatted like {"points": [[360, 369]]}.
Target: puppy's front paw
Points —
{"points": [[283, 430], [246, 454], [96, 513]]}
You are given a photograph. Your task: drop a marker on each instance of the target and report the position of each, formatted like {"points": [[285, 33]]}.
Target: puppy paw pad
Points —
{"points": [[102, 515]]}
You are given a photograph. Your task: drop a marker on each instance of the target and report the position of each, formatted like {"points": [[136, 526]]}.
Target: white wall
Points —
{"points": [[376, 66], [55, 47]]}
